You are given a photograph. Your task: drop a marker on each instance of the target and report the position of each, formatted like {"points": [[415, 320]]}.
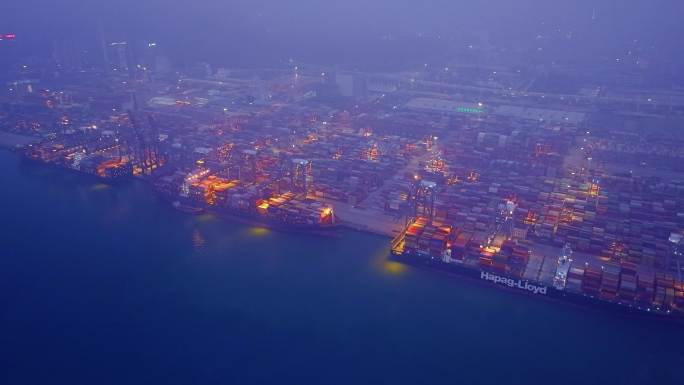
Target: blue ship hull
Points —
{"points": [[530, 288]]}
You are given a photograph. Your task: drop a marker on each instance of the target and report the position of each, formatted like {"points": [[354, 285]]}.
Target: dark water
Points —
{"points": [[103, 284]]}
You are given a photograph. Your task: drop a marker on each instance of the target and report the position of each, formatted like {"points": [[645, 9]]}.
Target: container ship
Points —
{"points": [[514, 266], [104, 163], [227, 198]]}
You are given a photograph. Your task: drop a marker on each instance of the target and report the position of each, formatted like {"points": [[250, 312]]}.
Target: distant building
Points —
{"points": [[8, 47], [201, 70], [146, 54], [69, 56], [118, 57], [162, 65], [20, 88], [352, 85], [524, 113], [382, 85], [445, 106]]}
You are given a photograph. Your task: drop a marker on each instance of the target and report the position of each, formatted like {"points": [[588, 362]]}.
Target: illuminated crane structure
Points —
{"points": [[147, 155], [595, 191], [248, 164], [301, 176], [504, 223], [224, 153], [562, 268], [677, 252], [424, 199]]}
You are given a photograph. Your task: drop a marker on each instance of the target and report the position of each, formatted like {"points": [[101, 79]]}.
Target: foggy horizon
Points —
{"points": [[329, 32]]}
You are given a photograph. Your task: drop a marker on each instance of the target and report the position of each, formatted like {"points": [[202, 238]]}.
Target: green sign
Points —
{"points": [[470, 110]]}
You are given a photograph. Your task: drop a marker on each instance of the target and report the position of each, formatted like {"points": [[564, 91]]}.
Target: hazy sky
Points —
{"points": [[212, 27]]}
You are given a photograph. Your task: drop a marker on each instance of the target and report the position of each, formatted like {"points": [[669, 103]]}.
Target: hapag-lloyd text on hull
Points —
{"points": [[510, 282]]}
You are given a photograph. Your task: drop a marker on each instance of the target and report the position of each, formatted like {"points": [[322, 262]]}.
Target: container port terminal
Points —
{"points": [[484, 172]]}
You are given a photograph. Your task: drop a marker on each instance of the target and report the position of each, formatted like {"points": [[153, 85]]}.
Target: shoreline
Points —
{"points": [[364, 229], [324, 232]]}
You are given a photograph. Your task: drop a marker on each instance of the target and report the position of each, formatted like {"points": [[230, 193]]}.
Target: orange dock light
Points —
{"points": [[327, 215]]}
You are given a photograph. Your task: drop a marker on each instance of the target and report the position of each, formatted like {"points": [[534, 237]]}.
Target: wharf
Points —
{"points": [[369, 220]]}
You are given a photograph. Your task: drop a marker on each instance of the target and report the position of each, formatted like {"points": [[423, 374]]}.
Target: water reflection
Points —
{"points": [[258, 231], [205, 217], [393, 267], [198, 240], [381, 260], [99, 187]]}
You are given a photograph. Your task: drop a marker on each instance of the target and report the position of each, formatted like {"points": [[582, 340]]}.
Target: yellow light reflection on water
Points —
{"points": [[258, 231], [393, 267], [205, 217], [381, 260], [99, 187]]}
